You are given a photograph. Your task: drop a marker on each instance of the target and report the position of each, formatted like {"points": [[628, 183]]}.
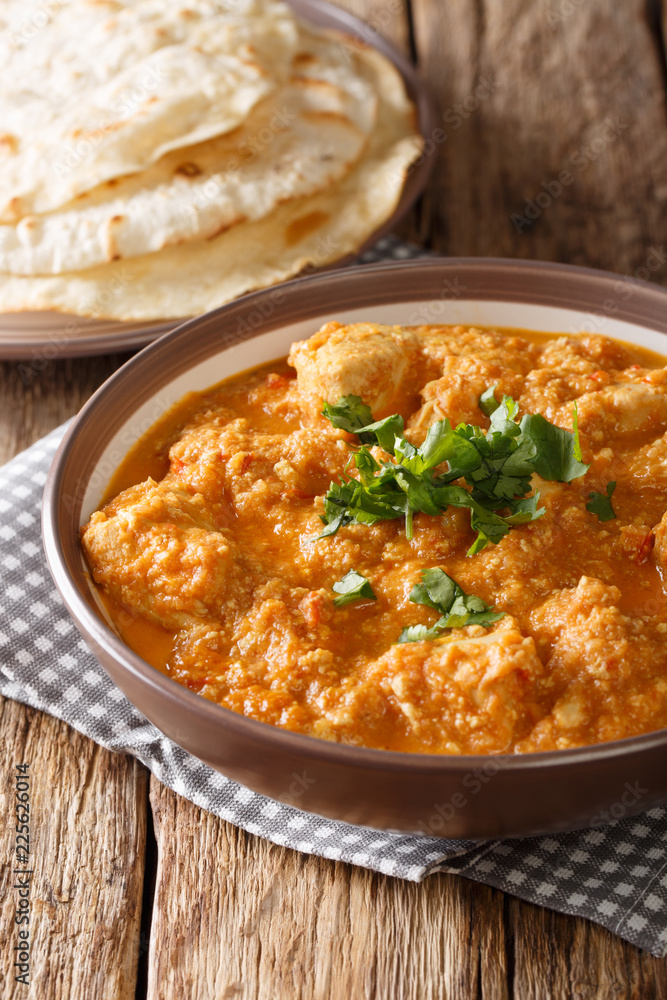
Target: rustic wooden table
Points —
{"points": [[553, 146]]}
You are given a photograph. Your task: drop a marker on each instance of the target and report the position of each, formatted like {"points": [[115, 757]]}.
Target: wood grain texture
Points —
{"points": [[37, 395], [528, 92], [237, 917], [558, 956], [87, 840], [89, 806]]}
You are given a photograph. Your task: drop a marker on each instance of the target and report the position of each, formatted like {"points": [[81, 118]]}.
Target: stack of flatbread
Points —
{"points": [[159, 159]]}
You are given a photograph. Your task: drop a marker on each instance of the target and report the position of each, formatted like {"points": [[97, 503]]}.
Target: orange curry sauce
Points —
{"points": [[205, 562]]}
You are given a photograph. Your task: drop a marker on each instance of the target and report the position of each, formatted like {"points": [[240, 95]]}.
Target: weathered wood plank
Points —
{"points": [[89, 807], [38, 395], [237, 917], [558, 956], [555, 110], [87, 844]]}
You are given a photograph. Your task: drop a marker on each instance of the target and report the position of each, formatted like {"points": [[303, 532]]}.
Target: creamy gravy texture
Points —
{"points": [[204, 554]]}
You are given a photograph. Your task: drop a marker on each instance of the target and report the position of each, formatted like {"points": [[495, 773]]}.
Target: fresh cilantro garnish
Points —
{"points": [[420, 633], [497, 466], [488, 402], [353, 587], [350, 414], [387, 433], [600, 503], [558, 454], [440, 592]]}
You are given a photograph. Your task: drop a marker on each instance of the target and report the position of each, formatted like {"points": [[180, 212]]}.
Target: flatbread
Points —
{"points": [[98, 89], [308, 232], [298, 141]]}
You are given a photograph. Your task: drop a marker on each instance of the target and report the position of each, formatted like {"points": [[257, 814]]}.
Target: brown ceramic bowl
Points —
{"points": [[454, 796]]}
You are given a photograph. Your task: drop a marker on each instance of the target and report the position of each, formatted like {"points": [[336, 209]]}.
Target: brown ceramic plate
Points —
{"points": [[48, 335], [469, 796]]}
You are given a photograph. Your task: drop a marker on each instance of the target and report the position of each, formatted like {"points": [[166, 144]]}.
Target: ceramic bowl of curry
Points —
{"points": [[400, 528]]}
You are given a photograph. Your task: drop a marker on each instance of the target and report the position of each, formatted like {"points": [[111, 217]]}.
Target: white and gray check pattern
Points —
{"points": [[616, 876]]}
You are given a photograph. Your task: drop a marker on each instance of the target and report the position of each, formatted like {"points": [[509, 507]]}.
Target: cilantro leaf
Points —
{"points": [[439, 444], [442, 593], [383, 432], [503, 418], [419, 492], [336, 505], [525, 510], [488, 402], [350, 414], [353, 587], [442, 444], [420, 633], [367, 466], [490, 527], [556, 449], [600, 503], [437, 590], [506, 467], [350, 500], [405, 453], [333, 526], [470, 610]]}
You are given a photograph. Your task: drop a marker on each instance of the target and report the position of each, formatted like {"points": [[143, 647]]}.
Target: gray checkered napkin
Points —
{"points": [[616, 875]]}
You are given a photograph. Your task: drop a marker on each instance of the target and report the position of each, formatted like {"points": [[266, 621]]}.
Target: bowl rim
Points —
{"points": [[345, 755]]}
